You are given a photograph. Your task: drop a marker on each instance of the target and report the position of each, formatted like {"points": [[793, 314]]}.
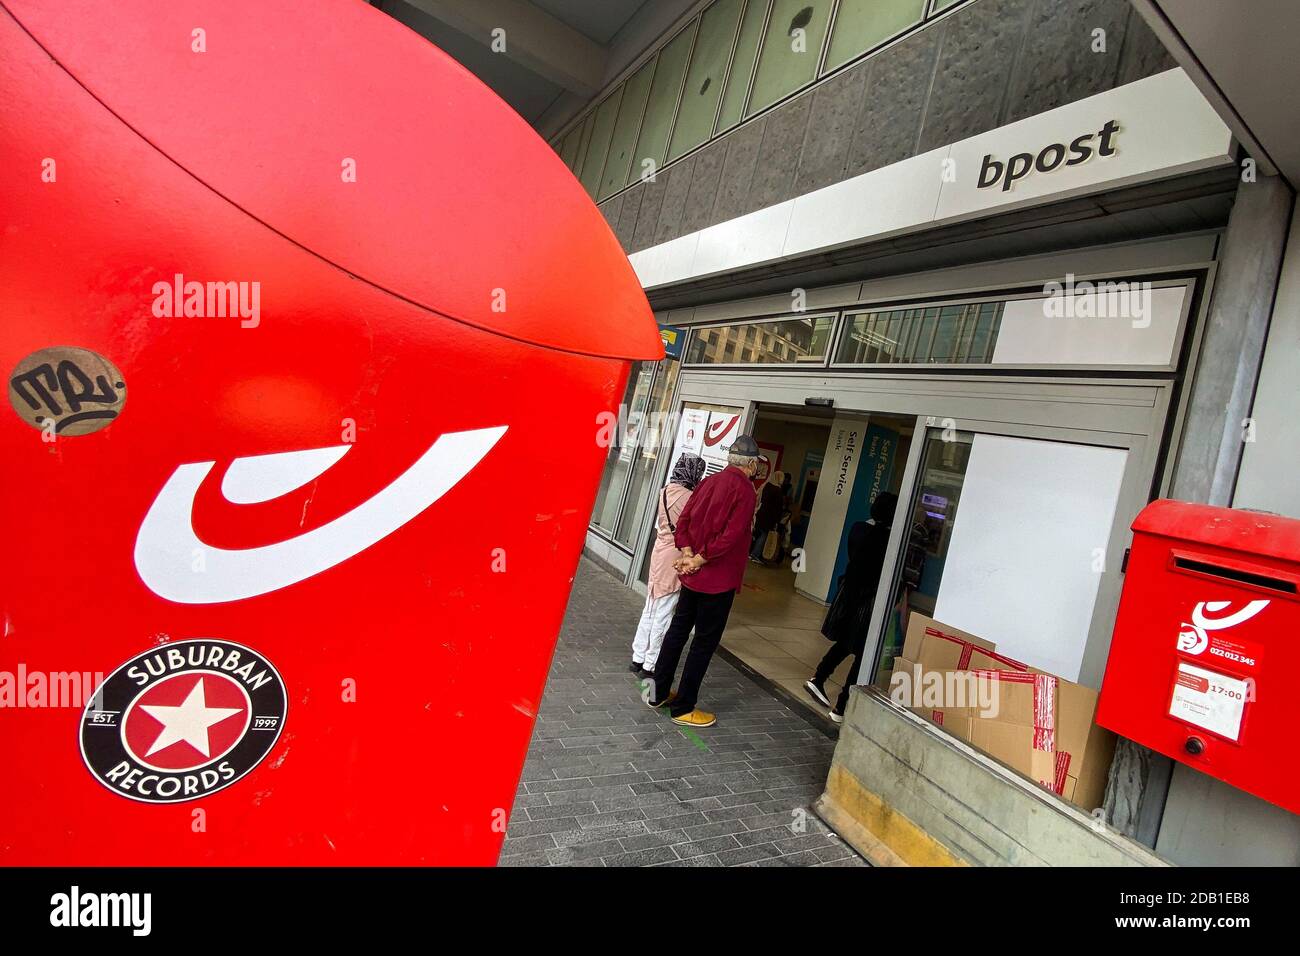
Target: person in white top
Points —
{"points": [[663, 585]]}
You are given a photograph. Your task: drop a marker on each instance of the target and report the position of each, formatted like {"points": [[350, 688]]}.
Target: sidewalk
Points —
{"points": [[610, 782]]}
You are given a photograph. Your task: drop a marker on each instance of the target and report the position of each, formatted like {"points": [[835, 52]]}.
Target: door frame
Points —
{"points": [[1131, 414]]}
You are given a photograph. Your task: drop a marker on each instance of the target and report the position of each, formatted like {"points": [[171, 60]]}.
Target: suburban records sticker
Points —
{"points": [[183, 720], [67, 390]]}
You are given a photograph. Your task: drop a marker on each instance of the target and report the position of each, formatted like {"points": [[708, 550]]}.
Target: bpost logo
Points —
{"points": [[166, 543], [1194, 638], [717, 431], [1049, 158], [183, 721]]}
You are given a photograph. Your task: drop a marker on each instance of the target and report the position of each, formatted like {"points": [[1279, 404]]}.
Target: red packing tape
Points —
{"points": [[1044, 708], [1062, 768], [968, 648]]}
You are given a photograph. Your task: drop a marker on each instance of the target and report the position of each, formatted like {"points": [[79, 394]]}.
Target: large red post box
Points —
{"points": [[1204, 659], [310, 342]]}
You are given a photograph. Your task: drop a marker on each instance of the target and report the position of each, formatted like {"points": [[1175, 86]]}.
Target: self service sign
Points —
{"points": [[309, 342]]}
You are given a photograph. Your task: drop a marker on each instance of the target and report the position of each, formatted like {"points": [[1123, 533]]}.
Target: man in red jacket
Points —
{"points": [[713, 535]]}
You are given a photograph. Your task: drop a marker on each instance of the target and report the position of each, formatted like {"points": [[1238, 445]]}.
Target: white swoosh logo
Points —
{"points": [[1228, 620], [167, 550]]}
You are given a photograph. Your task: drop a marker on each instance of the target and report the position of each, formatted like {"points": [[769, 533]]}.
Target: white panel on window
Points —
{"points": [[1083, 323], [1028, 546]]}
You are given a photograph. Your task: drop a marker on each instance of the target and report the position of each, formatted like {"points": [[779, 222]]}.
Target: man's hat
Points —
{"points": [[745, 446]]}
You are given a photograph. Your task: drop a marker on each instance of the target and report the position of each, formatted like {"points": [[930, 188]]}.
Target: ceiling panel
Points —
{"points": [[597, 20]]}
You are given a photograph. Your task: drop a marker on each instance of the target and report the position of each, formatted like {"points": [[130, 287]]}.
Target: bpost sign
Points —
{"points": [[1150, 129], [1050, 158]]}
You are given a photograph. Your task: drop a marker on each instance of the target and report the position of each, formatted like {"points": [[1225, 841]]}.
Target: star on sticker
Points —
{"points": [[188, 722]]}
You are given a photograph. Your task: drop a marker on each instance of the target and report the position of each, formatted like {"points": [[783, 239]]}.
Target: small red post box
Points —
{"points": [[1204, 654]]}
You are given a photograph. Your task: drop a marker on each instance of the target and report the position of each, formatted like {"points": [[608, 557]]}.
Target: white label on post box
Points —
{"points": [[1206, 699]]}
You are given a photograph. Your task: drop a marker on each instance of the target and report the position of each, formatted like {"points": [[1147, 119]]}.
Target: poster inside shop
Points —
{"points": [[708, 434], [1212, 701], [769, 460]]}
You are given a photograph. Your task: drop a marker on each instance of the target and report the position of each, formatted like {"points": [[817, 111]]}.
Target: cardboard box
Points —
{"points": [[1043, 726], [959, 726], [933, 644], [910, 687], [1058, 738], [1090, 748], [1008, 742], [1071, 785], [923, 689]]}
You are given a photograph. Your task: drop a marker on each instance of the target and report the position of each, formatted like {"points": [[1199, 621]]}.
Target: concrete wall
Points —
{"points": [[1206, 822], [903, 792], [1255, 311], [1227, 369], [991, 63], [1268, 479]]}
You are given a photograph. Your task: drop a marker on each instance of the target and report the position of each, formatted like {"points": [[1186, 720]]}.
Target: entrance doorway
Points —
{"points": [[833, 465]]}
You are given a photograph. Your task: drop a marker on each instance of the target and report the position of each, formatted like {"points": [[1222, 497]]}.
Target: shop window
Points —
{"points": [[925, 550], [736, 59], [695, 419], [665, 91], [704, 78], [862, 24], [618, 467], [792, 47], [602, 131], [1106, 323], [998, 522], [630, 111], [949, 335], [653, 434], [795, 340], [742, 64]]}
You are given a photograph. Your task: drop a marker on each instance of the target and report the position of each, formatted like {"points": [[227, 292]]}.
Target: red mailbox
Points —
{"points": [[1204, 659], [309, 341]]}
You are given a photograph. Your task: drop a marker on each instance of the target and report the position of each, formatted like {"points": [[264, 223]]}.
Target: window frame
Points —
{"points": [[835, 316], [847, 313]]}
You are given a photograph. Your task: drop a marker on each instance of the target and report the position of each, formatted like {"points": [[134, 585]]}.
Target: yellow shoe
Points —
{"points": [[696, 719], [672, 695]]}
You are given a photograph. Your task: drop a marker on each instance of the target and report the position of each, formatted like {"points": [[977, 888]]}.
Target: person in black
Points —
{"points": [[768, 515], [850, 613]]}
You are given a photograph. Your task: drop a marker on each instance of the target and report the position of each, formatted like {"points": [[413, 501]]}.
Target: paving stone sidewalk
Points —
{"points": [[610, 782]]}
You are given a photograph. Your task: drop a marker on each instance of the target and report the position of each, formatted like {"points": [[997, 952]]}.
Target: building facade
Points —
{"points": [[849, 213]]}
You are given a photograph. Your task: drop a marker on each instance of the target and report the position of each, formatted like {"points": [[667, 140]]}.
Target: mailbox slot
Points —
{"points": [[1237, 572]]}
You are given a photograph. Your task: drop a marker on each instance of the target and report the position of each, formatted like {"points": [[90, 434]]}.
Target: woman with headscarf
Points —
{"points": [[663, 585], [771, 502], [847, 620]]}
